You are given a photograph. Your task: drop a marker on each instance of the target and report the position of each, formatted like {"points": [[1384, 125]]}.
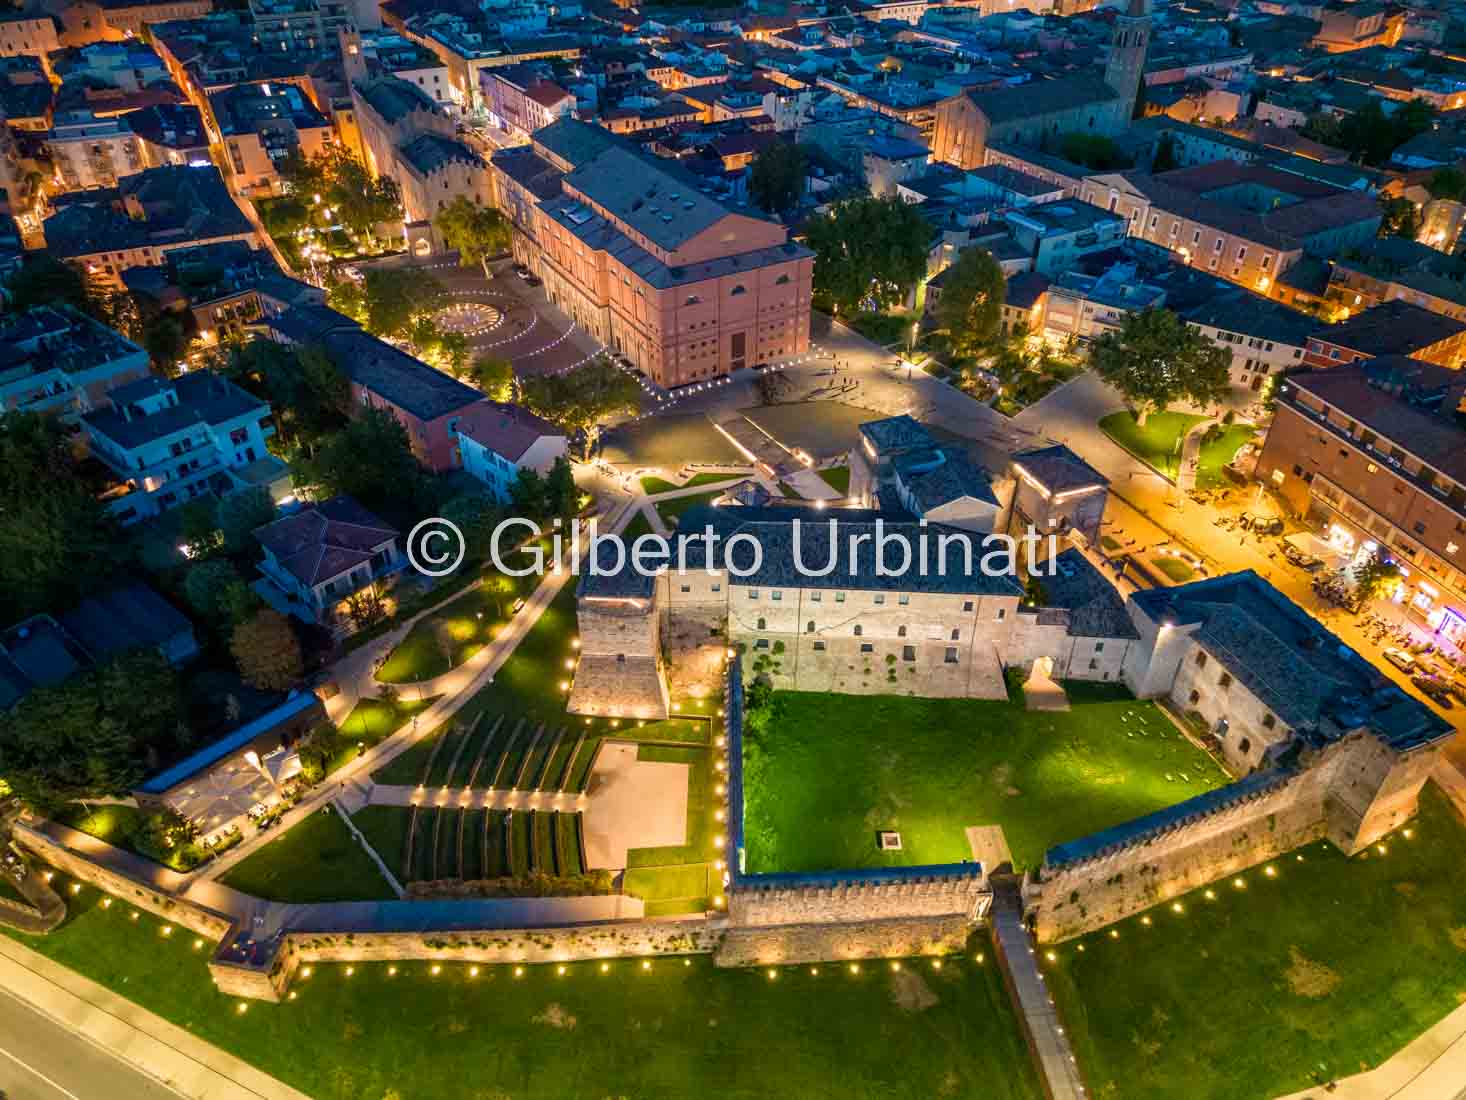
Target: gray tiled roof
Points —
{"points": [[394, 99], [203, 398], [661, 203], [131, 617], [950, 477], [1059, 469], [1093, 606], [896, 433], [573, 141], [1042, 97], [182, 204], [429, 152], [325, 540], [393, 375], [507, 430]]}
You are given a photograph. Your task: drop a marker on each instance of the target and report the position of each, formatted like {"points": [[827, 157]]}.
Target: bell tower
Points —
{"points": [[1126, 65]]}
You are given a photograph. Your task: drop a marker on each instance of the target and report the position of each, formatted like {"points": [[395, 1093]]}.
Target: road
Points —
{"points": [[41, 1060]]}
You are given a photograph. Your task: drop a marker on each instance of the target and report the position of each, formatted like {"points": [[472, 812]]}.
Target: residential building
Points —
{"points": [[1391, 268], [28, 32], [367, 54], [520, 100], [1394, 327], [1243, 222], [427, 402], [56, 360], [126, 66], [496, 441], [169, 441], [1346, 26], [318, 557], [1375, 453], [90, 153], [1041, 110], [1081, 306], [87, 21], [171, 134], [145, 217], [25, 93], [260, 125], [1265, 338], [1056, 234]]}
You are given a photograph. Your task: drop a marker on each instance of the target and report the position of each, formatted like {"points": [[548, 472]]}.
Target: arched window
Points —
{"points": [[809, 627], [781, 280], [857, 630], [737, 290], [1244, 745], [761, 623]]}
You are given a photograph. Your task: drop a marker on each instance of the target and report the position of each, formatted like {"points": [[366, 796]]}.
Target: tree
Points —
{"points": [[477, 232], [57, 542], [285, 216], [365, 607], [1093, 151], [306, 389], [394, 298], [527, 493], [198, 527], [240, 513], [94, 735], [1399, 218], [216, 591], [370, 459], [360, 202], [267, 651], [970, 309], [166, 342], [1370, 135], [868, 250], [1154, 358], [776, 177], [494, 375], [1378, 575], [475, 513], [1448, 183], [562, 498], [44, 280], [578, 400]]}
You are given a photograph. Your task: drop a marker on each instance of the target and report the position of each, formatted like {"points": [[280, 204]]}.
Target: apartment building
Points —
{"points": [[87, 21], [1392, 328], [23, 32], [56, 360], [1057, 234], [1243, 222], [89, 152], [169, 441], [145, 217], [497, 440], [1375, 452], [317, 558], [260, 125], [1391, 268], [520, 99], [1265, 338]]}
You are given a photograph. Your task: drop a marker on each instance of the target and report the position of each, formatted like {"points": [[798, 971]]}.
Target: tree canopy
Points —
{"points": [[868, 250], [494, 375], [306, 390], [56, 540], [970, 309], [578, 400], [477, 232], [393, 298], [1399, 218], [267, 651], [370, 459], [1155, 359], [95, 734], [1369, 134], [346, 187], [776, 176]]}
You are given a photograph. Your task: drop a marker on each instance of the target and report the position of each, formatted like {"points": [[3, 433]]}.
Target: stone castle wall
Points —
{"points": [[873, 939], [901, 893], [1351, 792]]}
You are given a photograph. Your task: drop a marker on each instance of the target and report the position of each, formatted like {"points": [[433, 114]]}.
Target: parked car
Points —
{"points": [[1434, 689], [1300, 559], [1263, 525], [1405, 662], [518, 606]]}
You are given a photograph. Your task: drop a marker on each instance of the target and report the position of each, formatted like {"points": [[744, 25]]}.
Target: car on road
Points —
{"points": [[1262, 525], [518, 606], [1301, 559], [1405, 662]]}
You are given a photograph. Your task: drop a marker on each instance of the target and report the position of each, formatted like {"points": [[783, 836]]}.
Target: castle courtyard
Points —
{"points": [[829, 772]]}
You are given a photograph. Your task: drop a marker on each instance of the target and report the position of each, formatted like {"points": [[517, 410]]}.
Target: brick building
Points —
{"points": [[1392, 328]]}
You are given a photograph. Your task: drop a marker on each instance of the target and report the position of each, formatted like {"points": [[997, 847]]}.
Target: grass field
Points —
{"points": [[670, 510], [651, 486], [663, 1033], [317, 860], [1320, 971], [445, 638], [370, 721], [1158, 443], [837, 478], [832, 770], [679, 879], [638, 526]]}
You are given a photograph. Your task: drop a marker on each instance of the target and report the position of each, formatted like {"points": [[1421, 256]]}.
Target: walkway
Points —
{"points": [[1041, 1024], [86, 1011], [1432, 1067], [479, 798]]}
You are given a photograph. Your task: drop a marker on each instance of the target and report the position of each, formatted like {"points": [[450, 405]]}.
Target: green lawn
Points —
{"points": [[679, 1029], [371, 721], [445, 638], [789, 492], [832, 770], [670, 510], [385, 828], [837, 478], [1158, 443], [1326, 969], [1175, 569], [651, 486], [680, 879], [111, 824], [317, 860]]}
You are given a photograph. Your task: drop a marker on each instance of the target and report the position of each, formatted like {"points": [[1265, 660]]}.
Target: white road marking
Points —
{"points": [[39, 1075]]}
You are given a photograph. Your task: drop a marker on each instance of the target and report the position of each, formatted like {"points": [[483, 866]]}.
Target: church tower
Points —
{"points": [[1126, 64]]}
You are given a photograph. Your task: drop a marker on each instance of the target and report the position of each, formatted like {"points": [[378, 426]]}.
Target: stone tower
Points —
{"points": [[1126, 64]]}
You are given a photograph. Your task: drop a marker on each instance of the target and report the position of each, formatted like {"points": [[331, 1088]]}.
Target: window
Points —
{"points": [[1244, 746], [1225, 680], [737, 290], [1099, 647], [687, 588], [966, 605], [1195, 697], [819, 647], [859, 630], [762, 643], [809, 627], [903, 599], [1002, 613], [950, 657], [1200, 659], [781, 280], [879, 599], [1269, 721], [956, 635], [814, 597], [753, 593], [839, 597], [717, 588], [908, 653], [900, 632], [776, 596], [762, 623]]}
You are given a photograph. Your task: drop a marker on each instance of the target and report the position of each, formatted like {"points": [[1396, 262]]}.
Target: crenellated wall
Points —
{"points": [[873, 939], [1352, 792]]}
